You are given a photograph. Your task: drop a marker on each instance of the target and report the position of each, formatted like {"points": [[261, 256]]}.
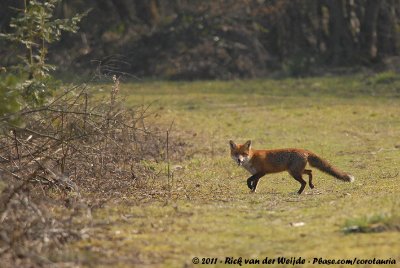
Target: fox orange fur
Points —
{"points": [[294, 161]]}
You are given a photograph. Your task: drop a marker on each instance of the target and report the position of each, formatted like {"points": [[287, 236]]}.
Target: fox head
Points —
{"points": [[240, 153]]}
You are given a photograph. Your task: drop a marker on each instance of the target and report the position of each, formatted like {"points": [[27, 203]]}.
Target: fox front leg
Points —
{"points": [[252, 182]]}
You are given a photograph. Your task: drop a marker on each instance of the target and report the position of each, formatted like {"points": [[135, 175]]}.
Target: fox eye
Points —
{"points": [[245, 154]]}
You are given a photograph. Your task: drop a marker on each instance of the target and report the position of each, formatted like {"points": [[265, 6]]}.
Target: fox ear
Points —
{"points": [[232, 144], [248, 144]]}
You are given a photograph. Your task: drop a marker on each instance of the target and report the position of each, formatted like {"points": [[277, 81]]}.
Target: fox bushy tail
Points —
{"points": [[324, 166]]}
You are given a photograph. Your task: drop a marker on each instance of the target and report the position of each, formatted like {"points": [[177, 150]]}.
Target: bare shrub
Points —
{"points": [[69, 157]]}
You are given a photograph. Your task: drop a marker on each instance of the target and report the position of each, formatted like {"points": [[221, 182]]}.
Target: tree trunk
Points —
{"points": [[123, 9], [368, 30], [341, 42], [147, 11], [386, 29]]}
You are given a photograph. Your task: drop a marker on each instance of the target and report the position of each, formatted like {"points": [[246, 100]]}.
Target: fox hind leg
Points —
{"points": [[297, 169], [309, 173], [299, 178]]}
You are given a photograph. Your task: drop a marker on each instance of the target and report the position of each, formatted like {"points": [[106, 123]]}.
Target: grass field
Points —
{"points": [[352, 121]]}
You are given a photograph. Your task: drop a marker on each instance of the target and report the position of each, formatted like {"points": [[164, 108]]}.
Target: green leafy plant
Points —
{"points": [[384, 78], [34, 29], [8, 95]]}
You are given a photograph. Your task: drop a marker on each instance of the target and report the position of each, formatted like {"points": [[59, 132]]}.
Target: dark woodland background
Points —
{"points": [[217, 39]]}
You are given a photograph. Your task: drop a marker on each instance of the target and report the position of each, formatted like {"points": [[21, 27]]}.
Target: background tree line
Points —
{"points": [[192, 39]]}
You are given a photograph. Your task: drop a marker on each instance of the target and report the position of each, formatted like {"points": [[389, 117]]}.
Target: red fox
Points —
{"points": [[262, 162]]}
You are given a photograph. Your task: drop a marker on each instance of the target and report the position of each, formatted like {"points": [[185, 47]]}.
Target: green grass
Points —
{"points": [[209, 212], [373, 223]]}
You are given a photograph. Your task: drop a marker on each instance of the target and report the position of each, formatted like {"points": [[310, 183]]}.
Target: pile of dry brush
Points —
{"points": [[69, 157]]}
